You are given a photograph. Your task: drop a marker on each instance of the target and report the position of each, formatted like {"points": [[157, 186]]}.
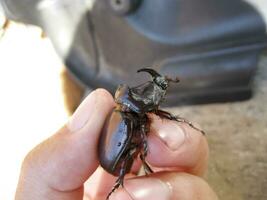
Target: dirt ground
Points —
{"points": [[237, 135]]}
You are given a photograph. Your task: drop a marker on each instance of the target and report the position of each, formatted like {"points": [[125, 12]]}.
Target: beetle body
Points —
{"points": [[124, 136], [119, 139]]}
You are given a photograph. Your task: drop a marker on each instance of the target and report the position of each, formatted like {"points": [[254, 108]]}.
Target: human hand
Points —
{"points": [[66, 167]]}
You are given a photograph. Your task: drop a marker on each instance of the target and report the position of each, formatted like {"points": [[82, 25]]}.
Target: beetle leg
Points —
{"points": [[147, 168], [144, 130], [167, 115], [119, 181], [143, 155], [180, 119]]}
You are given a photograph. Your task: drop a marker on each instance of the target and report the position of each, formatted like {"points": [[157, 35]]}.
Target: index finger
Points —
{"points": [[177, 146]]}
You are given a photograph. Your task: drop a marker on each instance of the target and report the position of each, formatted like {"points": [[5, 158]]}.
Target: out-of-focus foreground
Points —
{"points": [[31, 102]]}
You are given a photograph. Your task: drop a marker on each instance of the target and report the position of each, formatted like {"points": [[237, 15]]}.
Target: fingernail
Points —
{"points": [[170, 133], [144, 189], [83, 113]]}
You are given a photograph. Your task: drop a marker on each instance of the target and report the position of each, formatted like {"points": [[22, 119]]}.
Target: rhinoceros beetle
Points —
{"points": [[124, 136]]}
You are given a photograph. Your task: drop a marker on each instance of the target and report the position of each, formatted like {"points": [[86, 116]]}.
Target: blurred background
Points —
{"points": [[54, 52], [32, 103]]}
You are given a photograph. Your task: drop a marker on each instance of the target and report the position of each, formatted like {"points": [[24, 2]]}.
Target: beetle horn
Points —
{"points": [[152, 72]]}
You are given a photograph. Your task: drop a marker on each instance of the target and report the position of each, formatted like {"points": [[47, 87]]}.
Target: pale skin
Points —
{"points": [[66, 166]]}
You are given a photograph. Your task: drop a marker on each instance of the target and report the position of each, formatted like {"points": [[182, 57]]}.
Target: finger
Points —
{"points": [[165, 186], [66, 160], [99, 184], [177, 146]]}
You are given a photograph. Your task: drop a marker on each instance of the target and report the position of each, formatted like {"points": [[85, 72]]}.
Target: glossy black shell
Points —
{"points": [[115, 141]]}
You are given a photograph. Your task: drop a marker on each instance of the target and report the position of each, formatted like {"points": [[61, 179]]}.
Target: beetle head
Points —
{"points": [[161, 81]]}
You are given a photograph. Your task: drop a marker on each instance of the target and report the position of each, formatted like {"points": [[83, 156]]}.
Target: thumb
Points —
{"points": [[58, 167]]}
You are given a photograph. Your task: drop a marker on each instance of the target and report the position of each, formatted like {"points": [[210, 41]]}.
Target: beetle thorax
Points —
{"points": [[148, 93], [143, 98]]}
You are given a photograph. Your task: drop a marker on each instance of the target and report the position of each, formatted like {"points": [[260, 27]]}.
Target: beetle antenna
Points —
{"points": [[152, 72], [175, 80]]}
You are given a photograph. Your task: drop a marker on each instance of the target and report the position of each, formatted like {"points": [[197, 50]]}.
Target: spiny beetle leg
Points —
{"points": [[119, 181], [143, 154], [167, 115], [144, 131], [180, 119], [147, 168]]}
